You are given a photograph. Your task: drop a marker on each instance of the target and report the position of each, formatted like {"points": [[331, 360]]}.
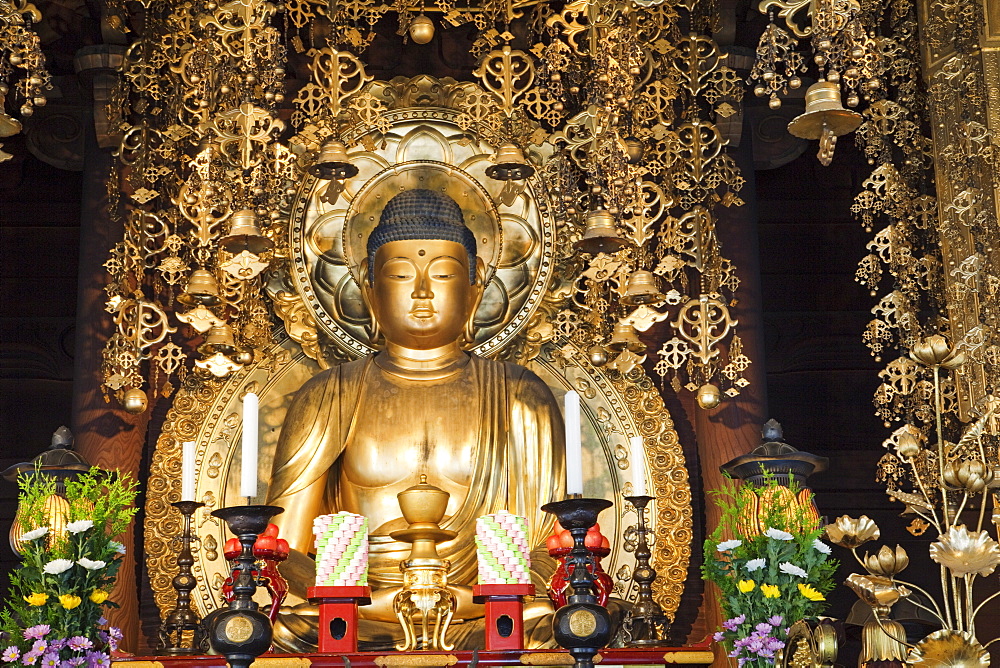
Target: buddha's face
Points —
{"points": [[420, 292]]}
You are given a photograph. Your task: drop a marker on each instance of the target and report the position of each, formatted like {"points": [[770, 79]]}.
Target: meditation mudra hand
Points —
{"points": [[359, 433]]}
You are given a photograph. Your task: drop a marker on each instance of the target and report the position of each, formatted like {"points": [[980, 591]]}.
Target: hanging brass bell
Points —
{"points": [[634, 150], [244, 235], [202, 288], [641, 289], [421, 29], [598, 355], [825, 118], [600, 234], [510, 164], [709, 396], [219, 340], [332, 163], [624, 337], [134, 401]]}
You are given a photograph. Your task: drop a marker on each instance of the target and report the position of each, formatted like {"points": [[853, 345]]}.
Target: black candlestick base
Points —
{"points": [[242, 633], [183, 620], [581, 626], [645, 625]]}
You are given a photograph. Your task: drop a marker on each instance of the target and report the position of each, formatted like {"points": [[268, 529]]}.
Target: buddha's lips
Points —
{"points": [[422, 310]]}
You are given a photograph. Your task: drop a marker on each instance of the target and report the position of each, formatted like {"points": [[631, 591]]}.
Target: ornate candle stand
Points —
{"points": [[183, 619], [645, 625], [242, 633], [582, 625]]}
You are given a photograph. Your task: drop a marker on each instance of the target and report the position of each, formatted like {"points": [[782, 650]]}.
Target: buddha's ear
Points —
{"points": [[366, 296], [480, 289]]}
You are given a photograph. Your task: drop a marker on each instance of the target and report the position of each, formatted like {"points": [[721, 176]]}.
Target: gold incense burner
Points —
{"points": [[425, 592]]}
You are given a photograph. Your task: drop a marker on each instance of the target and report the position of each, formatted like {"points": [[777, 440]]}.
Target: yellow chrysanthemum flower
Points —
{"points": [[746, 586], [37, 598], [810, 593], [98, 596], [69, 601], [770, 591]]}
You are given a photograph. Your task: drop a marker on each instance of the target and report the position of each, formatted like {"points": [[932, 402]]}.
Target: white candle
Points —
{"points": [[574, 446], [248, 479], [638, 467], [187, 472]]}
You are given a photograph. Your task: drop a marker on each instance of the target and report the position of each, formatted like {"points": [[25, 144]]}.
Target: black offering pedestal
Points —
{"points": [[581, 626], [242, 632]]}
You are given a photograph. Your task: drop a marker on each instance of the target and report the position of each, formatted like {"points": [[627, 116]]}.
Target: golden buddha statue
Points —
{"points": [[359, 433]]}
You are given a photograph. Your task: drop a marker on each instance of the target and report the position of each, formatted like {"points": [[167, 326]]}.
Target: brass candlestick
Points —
{"points": [[182, 620], [645, 625], [425, 574]]}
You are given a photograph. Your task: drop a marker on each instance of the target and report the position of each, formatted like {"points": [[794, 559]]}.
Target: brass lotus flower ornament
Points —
{"points": [[851, 533], [935, 350], [964, 552], [875, 590], [971, 475], [948, 649], [909, 442], [887, 562]]}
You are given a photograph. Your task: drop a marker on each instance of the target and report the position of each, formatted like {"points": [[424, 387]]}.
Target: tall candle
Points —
{"points": [[187, 472], [638, 467], [574, 446], [248, 479]]}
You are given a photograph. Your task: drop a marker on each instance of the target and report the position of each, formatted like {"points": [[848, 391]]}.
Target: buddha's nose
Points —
{"points": [[423, 288]]}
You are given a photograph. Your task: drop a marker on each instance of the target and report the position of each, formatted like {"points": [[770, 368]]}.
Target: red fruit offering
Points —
{"points": [[282, 549], [265, 545], [593, 540], [552, 543], [232, 549], [565, 538], [271, 530], [605, 543]]}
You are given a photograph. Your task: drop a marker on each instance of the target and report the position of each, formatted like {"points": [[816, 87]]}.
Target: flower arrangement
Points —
{"points": [[54, 610], [775, 573]]}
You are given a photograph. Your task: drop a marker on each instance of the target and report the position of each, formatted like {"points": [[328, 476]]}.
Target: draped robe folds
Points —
{"points": [[518, 459]]}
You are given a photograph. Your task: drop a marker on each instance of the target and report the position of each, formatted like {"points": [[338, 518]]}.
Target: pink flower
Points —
{"points": [[36, 632]]}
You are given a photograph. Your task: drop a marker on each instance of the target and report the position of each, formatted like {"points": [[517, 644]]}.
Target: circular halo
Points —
{"points": [[478, 210]]}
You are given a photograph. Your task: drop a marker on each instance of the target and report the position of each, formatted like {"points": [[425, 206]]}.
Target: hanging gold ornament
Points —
{"points": [[825, 119]]}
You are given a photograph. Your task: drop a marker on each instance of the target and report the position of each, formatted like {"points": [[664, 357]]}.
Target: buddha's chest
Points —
{"points": [[402, 430]]}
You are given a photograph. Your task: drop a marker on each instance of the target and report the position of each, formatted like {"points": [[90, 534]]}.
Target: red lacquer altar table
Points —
{"points": [[698, 655]]}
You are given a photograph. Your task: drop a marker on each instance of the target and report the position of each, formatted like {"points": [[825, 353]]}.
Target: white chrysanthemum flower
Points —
{"points": [[792, 569], [91, 564], [727, 545], [79, 525], [116, 546], [756, 564], [778, 534], [35, 533], [57, 566], [820, 546]]}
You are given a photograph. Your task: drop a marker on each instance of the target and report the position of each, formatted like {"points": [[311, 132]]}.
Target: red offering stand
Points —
{"points": [[338, 616], [504, 613]]}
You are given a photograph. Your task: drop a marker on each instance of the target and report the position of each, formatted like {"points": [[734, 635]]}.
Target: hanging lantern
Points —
{"points": [[600, 234], [202, 288], [510, 164], [624, 337], [244, 235], [641, 289], [825, 119], [333, 164], [60, 462]]}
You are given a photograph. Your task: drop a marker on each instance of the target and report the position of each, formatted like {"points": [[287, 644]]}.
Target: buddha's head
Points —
{"points": [[422, 280]]}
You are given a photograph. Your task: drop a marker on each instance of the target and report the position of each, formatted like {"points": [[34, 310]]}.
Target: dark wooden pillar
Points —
{"points": [[106, 435]]}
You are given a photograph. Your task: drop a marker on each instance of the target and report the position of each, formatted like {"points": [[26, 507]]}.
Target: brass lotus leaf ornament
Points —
{"points": [[935, 350], [964, 552], [875, 590], [887, 561], [948, 649], [851, 533], [971, 475]]}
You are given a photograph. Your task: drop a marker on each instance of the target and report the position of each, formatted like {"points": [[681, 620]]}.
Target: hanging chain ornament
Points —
{"points": [[20, 49]]}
